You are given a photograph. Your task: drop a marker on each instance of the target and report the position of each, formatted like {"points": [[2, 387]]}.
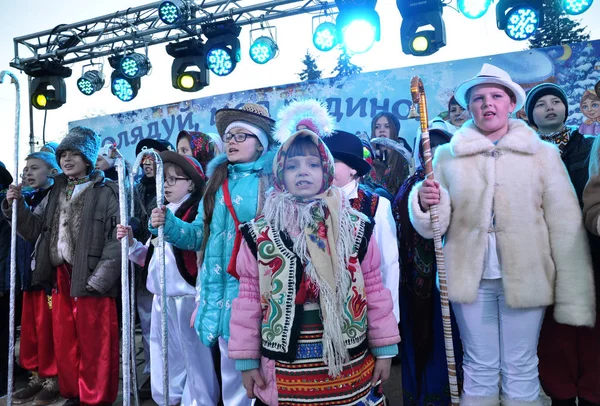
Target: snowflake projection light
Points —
{"points": [[324, 36], [522, 23], [358, 25], [473, 9], [173, 11], [90, 82], [135, 65], [519, 19], [264, 48], [223, 46], [125, 89], [576, 7]]}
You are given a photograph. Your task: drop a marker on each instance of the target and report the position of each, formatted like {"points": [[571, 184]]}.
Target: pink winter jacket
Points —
{"points": [[246, 316]]}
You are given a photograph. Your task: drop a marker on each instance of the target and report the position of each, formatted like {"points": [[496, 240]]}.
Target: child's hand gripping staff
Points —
{"points": [[429, 199], [160, 193], [13, 239]]}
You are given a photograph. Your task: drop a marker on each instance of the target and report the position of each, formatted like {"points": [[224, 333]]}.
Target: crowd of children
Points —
{"points": [[299, 259]]}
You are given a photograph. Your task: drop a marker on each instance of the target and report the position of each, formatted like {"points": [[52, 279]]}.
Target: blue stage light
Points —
{"points": [[324, 37], [220, 61], [172, 11], [473, 8], [90, 82], [135, 65], [125, 89], [522, 21], [263, 49], [358, 25], [576, 7]]}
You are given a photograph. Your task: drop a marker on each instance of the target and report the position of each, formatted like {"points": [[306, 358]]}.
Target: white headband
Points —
{"points": [[260, 134]]}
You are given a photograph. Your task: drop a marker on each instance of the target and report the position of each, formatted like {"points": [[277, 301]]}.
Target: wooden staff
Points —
{"points": [[13, 242], [160, 251], [417, 92]]}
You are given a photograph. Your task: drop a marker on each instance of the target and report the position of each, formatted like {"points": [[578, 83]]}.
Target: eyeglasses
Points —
{"points": [[172, 180], [238, 137]]}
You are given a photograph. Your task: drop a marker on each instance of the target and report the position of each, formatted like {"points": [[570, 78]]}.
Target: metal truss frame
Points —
{"points": [[140, 27]]}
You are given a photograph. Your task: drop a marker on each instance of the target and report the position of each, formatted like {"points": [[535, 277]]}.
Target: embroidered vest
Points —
{"points": [[366, 202], [280, 277]]}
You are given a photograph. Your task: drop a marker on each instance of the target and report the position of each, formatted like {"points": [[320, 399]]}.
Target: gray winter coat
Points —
{"points": [[97, 252]]}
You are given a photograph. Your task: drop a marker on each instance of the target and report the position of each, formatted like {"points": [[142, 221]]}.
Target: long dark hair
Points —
{"points": [[215, 181], [395, 161]]}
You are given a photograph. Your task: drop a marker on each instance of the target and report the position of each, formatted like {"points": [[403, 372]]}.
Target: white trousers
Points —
{"points": [[233, 390], [499, 341], [144, 308], [192, 378]]}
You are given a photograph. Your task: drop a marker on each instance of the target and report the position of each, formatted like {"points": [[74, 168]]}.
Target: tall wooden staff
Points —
{"points": [[13, 241], [160, 251], [417, 92]]}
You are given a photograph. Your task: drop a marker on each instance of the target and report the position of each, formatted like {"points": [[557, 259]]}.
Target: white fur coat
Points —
{"points": [[541, 239]]}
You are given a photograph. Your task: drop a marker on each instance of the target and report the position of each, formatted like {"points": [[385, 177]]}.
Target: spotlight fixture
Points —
{"points": [[576, 7], [325, 36], [473, 9], [47, 90], [222, 45], [173, 11], [188, 54], [418, 17], [518, 18], [135, 65], [358, 25], [264, 48], [91, 81], [124, 88]]}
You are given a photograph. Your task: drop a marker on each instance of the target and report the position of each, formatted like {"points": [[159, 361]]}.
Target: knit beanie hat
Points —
{"points": [[50, 147], [540, 91], [48, 158], [83, 140]]}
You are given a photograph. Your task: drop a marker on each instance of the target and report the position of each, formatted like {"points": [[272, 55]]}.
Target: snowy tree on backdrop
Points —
{"points": [[558, 28], [310, 71], [579, 72], [344, 66]]}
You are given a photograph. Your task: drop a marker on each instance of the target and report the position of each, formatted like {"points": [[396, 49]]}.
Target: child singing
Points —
{"points": [[311, 300], [189, 381]]}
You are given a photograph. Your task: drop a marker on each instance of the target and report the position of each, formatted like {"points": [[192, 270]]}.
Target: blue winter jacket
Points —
{"points": [[216, 287]]}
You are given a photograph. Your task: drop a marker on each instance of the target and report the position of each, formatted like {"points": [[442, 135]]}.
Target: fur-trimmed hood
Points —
{"points": [[520, 138]]}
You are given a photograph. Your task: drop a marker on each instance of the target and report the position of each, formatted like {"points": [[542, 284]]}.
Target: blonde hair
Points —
{"points": [[594, 166]]}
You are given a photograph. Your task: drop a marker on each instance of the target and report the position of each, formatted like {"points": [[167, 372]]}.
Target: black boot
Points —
{"points": [[583, 402], [72, 402], [566, 402]]}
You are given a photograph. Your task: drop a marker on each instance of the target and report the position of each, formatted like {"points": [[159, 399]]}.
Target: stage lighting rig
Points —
{"points": [[47, 90], [135, 65], [416, 36], [358, 25], [222, 46], [325, 36], [188, 72], [519, 18]]}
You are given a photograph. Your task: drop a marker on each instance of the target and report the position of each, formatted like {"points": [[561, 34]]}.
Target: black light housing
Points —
{"points": [[47, 90], [417, 14], [188, 54], [222, 46]]}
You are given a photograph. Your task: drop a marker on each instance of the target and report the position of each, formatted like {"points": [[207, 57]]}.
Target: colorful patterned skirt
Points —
{"points": [[305, 381]]}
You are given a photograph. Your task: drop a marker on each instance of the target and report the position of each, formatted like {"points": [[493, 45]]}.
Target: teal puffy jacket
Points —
{"points": [[216, 287]]}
